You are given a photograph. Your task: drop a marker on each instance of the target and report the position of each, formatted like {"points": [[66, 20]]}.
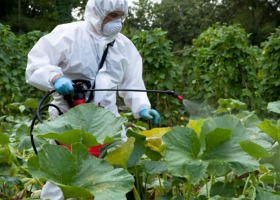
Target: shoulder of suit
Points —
{"points": [[123, 39], [71, 27]]}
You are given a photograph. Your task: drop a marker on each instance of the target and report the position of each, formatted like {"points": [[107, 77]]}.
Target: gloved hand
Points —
{"points": [[150, 115], [63, 86]]}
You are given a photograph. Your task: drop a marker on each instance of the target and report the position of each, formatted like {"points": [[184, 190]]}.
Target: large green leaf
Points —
{"points": [[73, 136], [212, 140], [274, 159], [269, 178], [254, 149], [154, 136], [274, 106], [184, 140], [249, 120], [238, 131], [222, 189], [231, 153], [218, 168], [182, 149], [216, 137], [196, 125], [186, 158], [153, 154], [23, 138], [271, 129], [120, 155], [88, 117], [154, 167], [138, 150], [263, 194], [80, 174]]}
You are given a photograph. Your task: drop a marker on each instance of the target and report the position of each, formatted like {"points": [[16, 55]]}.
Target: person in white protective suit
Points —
{"points": [[74, 51]]}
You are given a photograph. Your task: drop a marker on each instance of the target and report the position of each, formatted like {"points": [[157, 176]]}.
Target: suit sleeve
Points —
{"points": [[133, 80], [44, 58]]}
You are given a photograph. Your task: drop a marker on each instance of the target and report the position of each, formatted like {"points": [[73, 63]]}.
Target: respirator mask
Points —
{"points": [[113, 27]]}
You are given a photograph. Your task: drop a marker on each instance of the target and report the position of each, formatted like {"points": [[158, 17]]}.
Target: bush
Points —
{"points": [[270, 67], [222, 64], [13, 59]]}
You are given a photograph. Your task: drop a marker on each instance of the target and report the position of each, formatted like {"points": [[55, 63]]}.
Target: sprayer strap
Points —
{"points": [[105, 55], [100, 66]]}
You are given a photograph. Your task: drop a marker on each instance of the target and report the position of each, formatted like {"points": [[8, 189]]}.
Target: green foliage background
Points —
{"points": [[269, 69], [222, 64], [13, 59]]}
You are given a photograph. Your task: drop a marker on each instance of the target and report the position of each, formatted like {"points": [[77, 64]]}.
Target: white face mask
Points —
{"points": [[113, 27]]}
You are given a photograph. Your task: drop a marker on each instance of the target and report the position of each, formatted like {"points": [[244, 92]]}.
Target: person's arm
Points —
{"points": [[43, 59], [137, 101]]}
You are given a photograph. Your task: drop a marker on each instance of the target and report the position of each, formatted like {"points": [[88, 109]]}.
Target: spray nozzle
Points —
{"points": [[175, 94]]}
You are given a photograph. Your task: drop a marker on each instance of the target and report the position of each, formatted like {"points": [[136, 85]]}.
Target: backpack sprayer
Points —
{"points": [[81, 87]]}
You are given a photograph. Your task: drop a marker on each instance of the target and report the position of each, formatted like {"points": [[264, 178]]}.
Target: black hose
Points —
{"points": [[38, 116]]}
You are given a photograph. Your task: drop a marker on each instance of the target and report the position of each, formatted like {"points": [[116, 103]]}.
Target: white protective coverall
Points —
{"points": [[75, 50]]}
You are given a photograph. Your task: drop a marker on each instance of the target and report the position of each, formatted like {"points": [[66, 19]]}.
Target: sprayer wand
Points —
{"points": [[170, 92]]}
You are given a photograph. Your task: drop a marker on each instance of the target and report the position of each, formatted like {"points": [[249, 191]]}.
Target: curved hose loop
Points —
{"points": [[38, 110], [38, 116]]}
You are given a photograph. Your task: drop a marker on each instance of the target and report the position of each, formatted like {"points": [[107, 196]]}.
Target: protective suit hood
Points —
{"points": [[97, 10]]}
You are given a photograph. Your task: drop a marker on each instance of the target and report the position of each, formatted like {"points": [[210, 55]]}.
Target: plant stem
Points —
{"points": [[185, 188], [245, 186], [144, 189], [212, 180], [278, 176], [137, 180], [226, 178], [189, 186], [253, 178], [173, 190], [164, 176], [136, 194], [207, 190], [161, 186]]}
